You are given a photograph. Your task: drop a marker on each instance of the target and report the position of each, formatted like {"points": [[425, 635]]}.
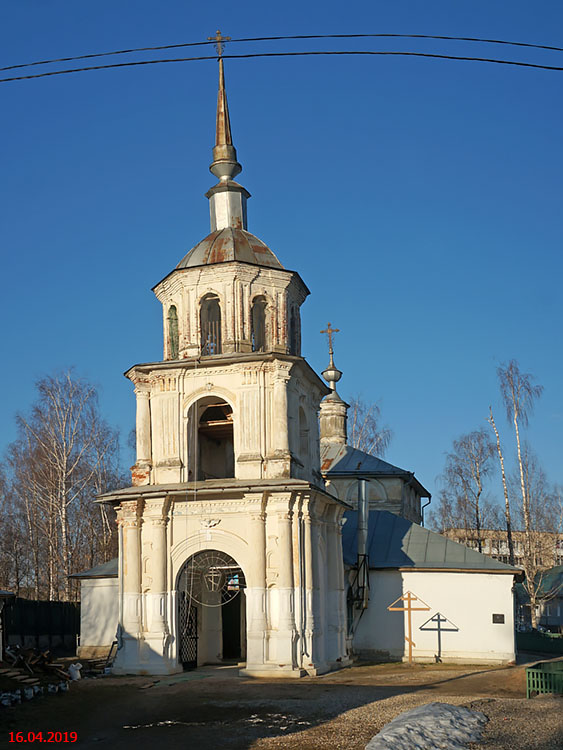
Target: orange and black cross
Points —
{"points": [[409, 599], [219, 40]]}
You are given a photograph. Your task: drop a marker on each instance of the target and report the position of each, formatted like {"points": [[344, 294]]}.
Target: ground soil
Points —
{"points": [[213, 708]]}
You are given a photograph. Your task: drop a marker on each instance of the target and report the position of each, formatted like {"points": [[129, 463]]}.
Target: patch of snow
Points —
{"points": [[434, 726]]}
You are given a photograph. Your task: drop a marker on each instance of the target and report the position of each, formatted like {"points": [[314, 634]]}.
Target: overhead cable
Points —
{"points": [[286, 54], [284, 38]]}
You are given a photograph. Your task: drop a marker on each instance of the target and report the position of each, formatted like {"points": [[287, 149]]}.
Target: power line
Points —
{"points": [[287, 54], [284, 38]]}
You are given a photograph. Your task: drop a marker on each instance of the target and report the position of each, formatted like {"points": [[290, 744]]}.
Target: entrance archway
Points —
{"points": [[211, 610]]}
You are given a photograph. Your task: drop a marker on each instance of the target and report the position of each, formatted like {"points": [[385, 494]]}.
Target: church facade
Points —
{"points": [[230, 546]]}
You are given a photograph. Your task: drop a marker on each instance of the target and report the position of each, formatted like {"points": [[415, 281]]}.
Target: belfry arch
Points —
{"points": [[211, 609], [210, 439]]}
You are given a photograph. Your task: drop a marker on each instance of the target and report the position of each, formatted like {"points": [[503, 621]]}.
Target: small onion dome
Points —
{"points": [[230, 244]]}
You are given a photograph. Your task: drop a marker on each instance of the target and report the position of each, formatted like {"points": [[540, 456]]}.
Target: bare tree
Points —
{"points": [[539, 544], [519, 394], [65, 455], [467, 466], [507, 518], [365, 431]]}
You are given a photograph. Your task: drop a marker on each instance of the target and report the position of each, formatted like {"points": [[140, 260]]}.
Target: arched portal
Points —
{"points": [[211, 610]]}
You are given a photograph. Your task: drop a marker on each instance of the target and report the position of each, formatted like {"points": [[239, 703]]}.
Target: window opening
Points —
{"points": [[294, 332], [173, 332], [210, 325], [303, 435], [216, 455], [258, 321]]}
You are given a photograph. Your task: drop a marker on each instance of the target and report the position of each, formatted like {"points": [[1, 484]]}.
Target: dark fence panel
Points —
{"points": [[543, 643], [44, 625]]}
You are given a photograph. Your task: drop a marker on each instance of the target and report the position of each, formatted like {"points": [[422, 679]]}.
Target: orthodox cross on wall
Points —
{"points": [[219, 41], [439, 621], [409, 598]]}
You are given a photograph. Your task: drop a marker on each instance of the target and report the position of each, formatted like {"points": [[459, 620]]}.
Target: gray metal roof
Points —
{"points": [[230, 244], [105, 570], [343, 460], [394, 542]]}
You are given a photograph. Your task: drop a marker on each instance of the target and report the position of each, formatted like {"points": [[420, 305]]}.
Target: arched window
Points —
{"points": [[303, 436], [210, 318], [258, 321], [172, 332], [294, 331]]}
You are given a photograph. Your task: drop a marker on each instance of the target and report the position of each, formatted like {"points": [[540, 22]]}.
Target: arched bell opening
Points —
{"points": [[258, 324], [211, 610], [173, 335], [210, 325], [211, 440]]}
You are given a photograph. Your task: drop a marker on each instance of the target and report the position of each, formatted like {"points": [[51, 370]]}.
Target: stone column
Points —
{"points": [[342, 608], [320, 591], [285, 654], [141, 469], [256, 594], [334, 588], [155, 652], [279, 459], [310, 630], [128, 517]]}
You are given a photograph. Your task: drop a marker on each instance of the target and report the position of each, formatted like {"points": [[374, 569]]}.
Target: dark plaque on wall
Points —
{"points": [[498, 619]]}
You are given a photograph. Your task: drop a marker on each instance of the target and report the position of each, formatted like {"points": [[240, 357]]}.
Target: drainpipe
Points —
{"points": [[363, 519], [423, 507]]}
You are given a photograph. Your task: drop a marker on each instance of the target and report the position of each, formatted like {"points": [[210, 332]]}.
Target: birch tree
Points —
{"points": [[507, 517], [519, 394], [65, 455], [365, 431], [466, 469]]}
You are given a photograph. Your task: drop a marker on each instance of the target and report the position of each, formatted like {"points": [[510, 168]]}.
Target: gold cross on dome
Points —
{"points": [[218, 39], [330, 333]]}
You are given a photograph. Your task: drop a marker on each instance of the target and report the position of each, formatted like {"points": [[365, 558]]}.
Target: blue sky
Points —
{"points": [[420, 200]]}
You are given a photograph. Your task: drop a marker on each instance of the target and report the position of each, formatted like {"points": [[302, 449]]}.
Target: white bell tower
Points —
{"points": [[228, 466]]}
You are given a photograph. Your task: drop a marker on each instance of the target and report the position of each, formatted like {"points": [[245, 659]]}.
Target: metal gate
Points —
{"points": [[188, 631]]}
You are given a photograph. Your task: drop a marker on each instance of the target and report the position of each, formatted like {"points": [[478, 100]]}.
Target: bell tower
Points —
{"points": [[230, 546], [232, 343]]}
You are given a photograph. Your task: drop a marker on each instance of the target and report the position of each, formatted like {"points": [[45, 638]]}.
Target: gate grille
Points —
{"points": [[188, 631]]}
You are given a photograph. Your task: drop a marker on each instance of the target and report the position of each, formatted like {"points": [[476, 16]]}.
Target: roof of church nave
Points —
{"points": [[230, 244]]}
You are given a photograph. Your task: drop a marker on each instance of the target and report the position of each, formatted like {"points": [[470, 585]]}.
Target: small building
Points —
{"points": [[99, 611], [471, 592]]}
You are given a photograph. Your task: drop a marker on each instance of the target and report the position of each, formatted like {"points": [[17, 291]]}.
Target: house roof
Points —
{"points": [[394, 542], [343, 460], [105, 570]]}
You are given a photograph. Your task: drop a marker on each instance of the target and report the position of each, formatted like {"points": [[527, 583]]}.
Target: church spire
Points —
{"points": [[227, 199], [225, 165]]}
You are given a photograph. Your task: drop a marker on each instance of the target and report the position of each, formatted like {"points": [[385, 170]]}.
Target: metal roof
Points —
{"points": [[230, 244], [394, 542], [105, 570], [343, 460]]}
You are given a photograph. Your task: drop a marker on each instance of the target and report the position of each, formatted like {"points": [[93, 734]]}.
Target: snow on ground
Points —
{"points": [[433, 726]]}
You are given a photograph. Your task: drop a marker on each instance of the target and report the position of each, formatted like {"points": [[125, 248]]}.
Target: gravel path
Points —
{"points": [[206, 710]]}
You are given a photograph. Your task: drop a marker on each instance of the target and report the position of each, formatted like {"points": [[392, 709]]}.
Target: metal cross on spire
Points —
{"points": [[219, 40], [330, 333]]}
